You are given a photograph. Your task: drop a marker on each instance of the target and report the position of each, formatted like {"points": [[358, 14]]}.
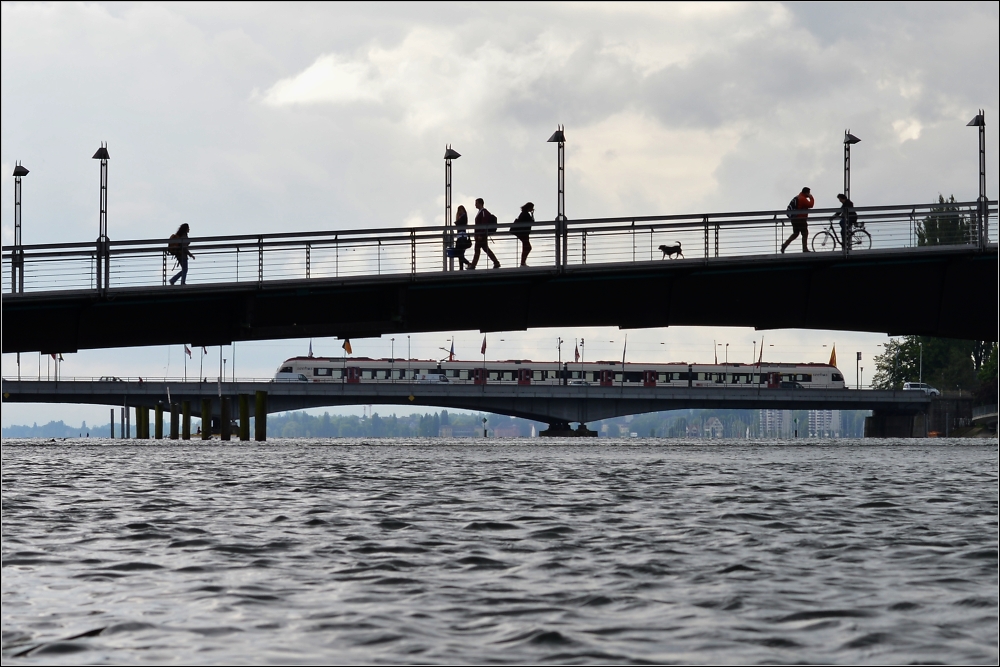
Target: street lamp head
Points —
{"points": [[102, 152], [850, 138], [19, 170], [450, 153], [558, 136], [978, 121]]}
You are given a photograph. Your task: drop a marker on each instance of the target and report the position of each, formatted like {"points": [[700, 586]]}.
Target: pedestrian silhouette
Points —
{"points": [[178, 247], [522, 229], [485, 225], [462, 242], [848, 218], [797, 208]]}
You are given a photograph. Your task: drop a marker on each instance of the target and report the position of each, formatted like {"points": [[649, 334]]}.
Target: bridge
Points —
{"points": [[555, 405], [594, 272]]}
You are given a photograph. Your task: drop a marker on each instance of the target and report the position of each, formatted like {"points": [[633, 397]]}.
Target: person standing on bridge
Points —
{"points": [[484, 227], [462, 242], [801, 203], [522, 228], [848, 218], [179, 249]]}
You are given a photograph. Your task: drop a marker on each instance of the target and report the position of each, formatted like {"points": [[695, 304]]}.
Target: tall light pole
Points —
{"points": [[849, 140], [980, 122], [559, 137], [103, 249], [17, 259], [449, 155]]}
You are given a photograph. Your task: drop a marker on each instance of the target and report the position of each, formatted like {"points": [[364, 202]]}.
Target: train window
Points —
{"points": [[837, 377], [463, 374], [508, 375], [494, 375], [367, 374], [536, 376], [618, 377], [804, 377], [285, 369], [323, 372]]}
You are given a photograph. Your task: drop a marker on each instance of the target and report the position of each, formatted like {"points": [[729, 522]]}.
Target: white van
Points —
{"points": [[921, 386], [429, 378], [286, 376]]}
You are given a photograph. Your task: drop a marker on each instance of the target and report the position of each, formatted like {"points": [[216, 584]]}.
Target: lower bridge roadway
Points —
{"points": [[558, 406]]}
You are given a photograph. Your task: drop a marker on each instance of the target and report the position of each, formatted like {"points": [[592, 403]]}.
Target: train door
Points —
{"points": [[649, 378], [479, 376], [607, 378], [523, 376], [353, 374], [773, 380], [690, 375]]}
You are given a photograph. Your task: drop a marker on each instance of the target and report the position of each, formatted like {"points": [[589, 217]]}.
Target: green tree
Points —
{"points": [[944, 226], [947, 363]]}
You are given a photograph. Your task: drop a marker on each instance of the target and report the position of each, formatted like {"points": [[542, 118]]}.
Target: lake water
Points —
{"points": [[514, 551]]}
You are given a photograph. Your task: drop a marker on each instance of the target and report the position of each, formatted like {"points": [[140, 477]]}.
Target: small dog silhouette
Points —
{"points": [[671, 250]]}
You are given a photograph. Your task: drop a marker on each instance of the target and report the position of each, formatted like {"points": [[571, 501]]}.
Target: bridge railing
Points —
{"points": [[420, 250]]}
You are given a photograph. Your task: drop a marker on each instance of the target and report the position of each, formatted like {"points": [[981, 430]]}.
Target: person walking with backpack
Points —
{"points": [[462, 242], [797, 208], [522, 228], [486, 224], [178, 247]]}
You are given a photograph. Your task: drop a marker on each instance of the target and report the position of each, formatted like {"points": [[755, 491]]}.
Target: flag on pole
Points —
{"points": [[310, 347], [204, 350], [53, 355], [187, 350], [715, 349], [60, 357], [483, 349], [451, 354], [760, 359], [859, 356], [833, 355], [624, 347], [347, 346], [576, 353]]}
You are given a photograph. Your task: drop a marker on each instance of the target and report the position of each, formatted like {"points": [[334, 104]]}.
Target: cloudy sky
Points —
{"points": [[240, 118]]}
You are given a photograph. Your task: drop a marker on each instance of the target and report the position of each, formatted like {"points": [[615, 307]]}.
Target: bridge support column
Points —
{"points": [[206, 419], [260, 416], [244, 417], [158, 423], [185, 420], [142, 422], [895, 426], [224, 433], [175, 422]]}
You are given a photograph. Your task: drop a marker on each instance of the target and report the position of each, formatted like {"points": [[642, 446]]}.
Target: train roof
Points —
{"points": [[731, 364]]}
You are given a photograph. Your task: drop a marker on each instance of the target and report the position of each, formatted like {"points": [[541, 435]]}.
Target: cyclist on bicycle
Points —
{"points": [[848, 218]]}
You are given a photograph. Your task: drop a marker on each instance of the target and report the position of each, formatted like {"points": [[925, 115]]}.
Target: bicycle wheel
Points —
{"points": [[824, 241], [861, 240]]}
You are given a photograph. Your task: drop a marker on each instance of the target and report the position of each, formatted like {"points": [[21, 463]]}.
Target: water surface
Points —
{"points": [[515, 551]]}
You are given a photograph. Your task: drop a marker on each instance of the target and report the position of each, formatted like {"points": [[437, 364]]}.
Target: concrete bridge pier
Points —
{"points": [[244, 408], [158, 421], [224, 425], [895, 425], [260, 416], [206, 419], [185, 420], [175, 422]]}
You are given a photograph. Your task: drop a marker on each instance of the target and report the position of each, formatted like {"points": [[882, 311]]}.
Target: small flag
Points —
{"points": [[310, 347], [576, 353], [204, 350], [483, 349], [187, 350], [715, 348], [451, 355], [60, 357], [624, 347], [859, 356], [833, 355], [53, 355], [347, 346]]}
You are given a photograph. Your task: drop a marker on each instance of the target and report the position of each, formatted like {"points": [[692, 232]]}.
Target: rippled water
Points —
{"points": [[457, 552]]}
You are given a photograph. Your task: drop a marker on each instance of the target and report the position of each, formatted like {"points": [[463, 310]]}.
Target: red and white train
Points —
{"points": [[527, 372]]}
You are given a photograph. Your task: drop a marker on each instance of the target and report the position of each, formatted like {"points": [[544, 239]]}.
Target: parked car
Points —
{"points": [[792, 385], [921, 386], [285, 376], [110, 378], [579, 383]]}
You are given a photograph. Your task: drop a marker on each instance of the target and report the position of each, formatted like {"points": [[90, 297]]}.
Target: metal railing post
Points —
{"points": [[413, 252], [260, 259], [558, 244], [706, 236], [583, 243], [164, 267], [716, 239], [308, 253]]}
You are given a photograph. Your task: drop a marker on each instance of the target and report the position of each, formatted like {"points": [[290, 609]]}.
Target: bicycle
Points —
{"points": [[829, 238]]}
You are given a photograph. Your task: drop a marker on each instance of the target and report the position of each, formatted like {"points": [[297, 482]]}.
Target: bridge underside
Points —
{"points": [[949, 293], [552, 405]]}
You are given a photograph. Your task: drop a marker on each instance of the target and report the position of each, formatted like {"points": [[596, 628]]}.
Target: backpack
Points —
{"points": [[792, 205], [491, 224], [174, 247]]}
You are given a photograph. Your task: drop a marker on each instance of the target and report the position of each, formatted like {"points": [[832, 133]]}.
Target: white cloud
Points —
{"points": [[907, 129]]}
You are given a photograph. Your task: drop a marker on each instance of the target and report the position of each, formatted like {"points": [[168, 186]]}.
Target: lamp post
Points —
{"points": [[980, 122], [103, 249], [559, 137], [849, 140], [921, 345], [392, 357], [449, 155], [17, 259]]}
